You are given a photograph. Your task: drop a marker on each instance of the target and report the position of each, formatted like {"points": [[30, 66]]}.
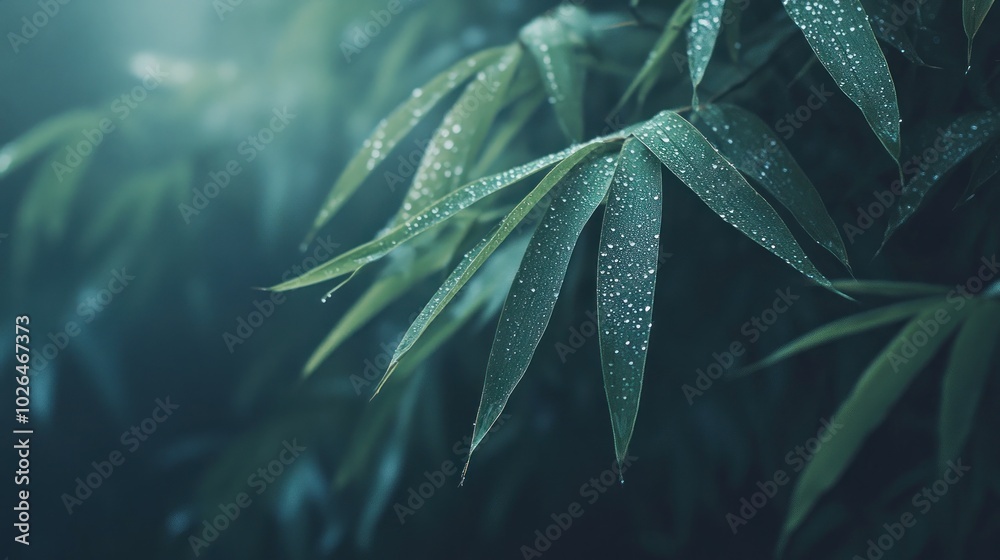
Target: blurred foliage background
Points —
{"points": [[226, 68]]}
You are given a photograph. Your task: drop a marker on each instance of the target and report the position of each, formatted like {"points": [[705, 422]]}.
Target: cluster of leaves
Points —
{"points": [[726, 155]]}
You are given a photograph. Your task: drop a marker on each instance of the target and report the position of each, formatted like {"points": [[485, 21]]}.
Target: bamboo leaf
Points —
{"points": [[42, 137], [986, 166], [475, 258], [973, 14], [753, 148], [653, 66], [555, 42], [841, 37], [536, 286], [626, 283], [951, 146], [880, 13], [879, 387], [395, 127], [706, 20], [456, 141], [689, 156], [965, 377]]}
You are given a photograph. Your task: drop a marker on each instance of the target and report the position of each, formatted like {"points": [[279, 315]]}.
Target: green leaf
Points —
{"points": [[888, 288], [880, 13], [626, 282], [555, 42], [44, 136], [438, 212], [986, 166], [475, 258], [536, 286], [456, 141], [392, 284], [965, 377], [753, 148], [689, 156], [843, 41], [973, 14], [395, 127], [706, 20], [951, 146], [514, 123], [879, 387], [653, 67], [848, 326]]}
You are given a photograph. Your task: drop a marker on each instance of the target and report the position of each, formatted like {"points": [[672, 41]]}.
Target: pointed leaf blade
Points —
{"points": [[880, 12], [973, 14], [843, 40], [391, 130], [878, 388], [706, 21], [536, 286], [689, 156], [965, 377], [754, 149], [626, 282], [653, 66]]}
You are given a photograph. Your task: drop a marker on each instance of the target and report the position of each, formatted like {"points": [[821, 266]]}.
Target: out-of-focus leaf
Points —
{"points": [[626, 283], [888, 288], [841, 328], [519, 116], [880, 13], [392, 284], [960, 139], [43, 136], [475, 258], [435, 214], [706, 21], [653, 67], [732, 34], [395, 127], [843, 41], [450, 150], [536, 286], [879, 387], [973, 14], [755, 150], [986, 167], [689, 156], [555, 42], [968, 368]]}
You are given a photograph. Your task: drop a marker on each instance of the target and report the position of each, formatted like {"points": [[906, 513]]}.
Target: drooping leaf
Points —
{"points": [[965, 377], [879, 387], [392, 284], [475, 258], [848, 326], [880, 13], [555, 42], [438, 212], [951, 146], [395, 127], [653, 67], [536, 286], [626, 282], [689, 156], [706, 21], [456, 141], [44, 136], [754, 149], [841, 37], [973, 14]]}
